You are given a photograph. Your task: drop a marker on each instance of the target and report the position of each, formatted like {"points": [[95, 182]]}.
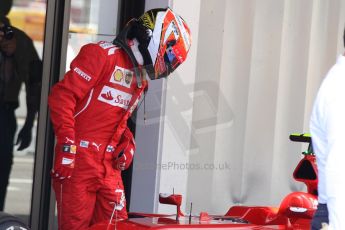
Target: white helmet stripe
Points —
{"points": [[171, 30], [185, 34], [156, 37]]}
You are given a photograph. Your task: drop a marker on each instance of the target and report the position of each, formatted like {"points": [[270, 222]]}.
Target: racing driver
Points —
{"points": [[89, 111]]}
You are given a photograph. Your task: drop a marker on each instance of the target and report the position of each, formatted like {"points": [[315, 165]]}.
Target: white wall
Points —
{"points": [[249, 81], [146, 173]]}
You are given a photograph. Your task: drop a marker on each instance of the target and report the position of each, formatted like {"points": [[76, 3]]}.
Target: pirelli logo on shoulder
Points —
{"points": [[82, 74]]}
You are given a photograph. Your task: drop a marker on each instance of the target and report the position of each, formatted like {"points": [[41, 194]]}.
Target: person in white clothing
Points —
{"points": [[327, 127]]}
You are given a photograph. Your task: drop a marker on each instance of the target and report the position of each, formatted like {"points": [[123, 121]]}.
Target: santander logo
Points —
{"points": [[107, 96], [115, 97], [121, 100]]}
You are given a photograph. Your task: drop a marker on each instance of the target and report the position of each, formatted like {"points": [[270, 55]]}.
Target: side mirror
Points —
{"points": [[306, 172], [172, 199]]}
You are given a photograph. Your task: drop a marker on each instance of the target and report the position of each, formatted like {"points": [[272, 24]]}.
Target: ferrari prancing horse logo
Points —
{"points": [[128, 77]]}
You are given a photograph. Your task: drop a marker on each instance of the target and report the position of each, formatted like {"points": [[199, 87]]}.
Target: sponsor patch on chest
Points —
{"points": [[122, 76], [84, 144], [115, 97]]}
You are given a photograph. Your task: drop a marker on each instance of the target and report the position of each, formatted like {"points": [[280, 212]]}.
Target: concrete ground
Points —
{"points": [[18, 200]]}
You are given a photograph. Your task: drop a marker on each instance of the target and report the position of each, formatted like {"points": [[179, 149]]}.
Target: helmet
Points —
{"points": [[168, 41], [164, 41]]}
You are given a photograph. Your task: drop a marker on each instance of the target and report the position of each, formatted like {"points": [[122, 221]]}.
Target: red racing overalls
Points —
{"points": [[91, 106]]}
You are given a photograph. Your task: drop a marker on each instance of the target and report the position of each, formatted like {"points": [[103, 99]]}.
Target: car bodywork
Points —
{"points": [[295, 211]]}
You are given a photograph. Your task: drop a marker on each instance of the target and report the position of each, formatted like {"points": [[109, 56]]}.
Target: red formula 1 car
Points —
{"points": [[295, 211]]}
